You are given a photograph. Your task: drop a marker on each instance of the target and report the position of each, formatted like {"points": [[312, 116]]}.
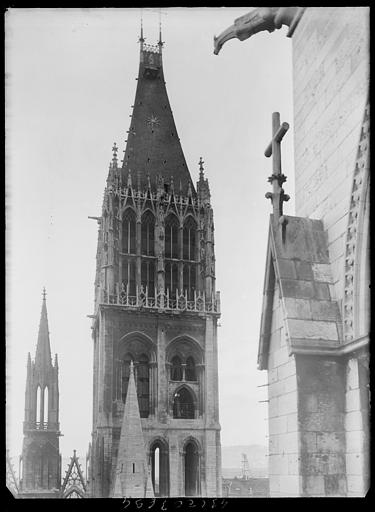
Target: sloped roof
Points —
{"points": [[132, 472], [153, 147], [73, 480], [299, 261]]}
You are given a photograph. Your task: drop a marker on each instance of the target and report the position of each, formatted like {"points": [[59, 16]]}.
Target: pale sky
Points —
{"points": [[70, 83]]}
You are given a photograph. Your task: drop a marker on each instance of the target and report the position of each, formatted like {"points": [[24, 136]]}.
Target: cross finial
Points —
{"points": [[44, 293], [277, 178]]}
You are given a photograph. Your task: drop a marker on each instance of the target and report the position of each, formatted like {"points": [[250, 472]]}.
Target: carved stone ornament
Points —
{"points": [[361, 175], [257, 20]]}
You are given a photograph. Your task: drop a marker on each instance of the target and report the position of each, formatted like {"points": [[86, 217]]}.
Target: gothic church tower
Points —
{"points": [[156, 305], [41, 460]]}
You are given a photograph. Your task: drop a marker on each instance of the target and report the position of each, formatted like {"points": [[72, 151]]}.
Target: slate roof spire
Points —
{"points": [[132, 478], [153, 146], [43, 347]]}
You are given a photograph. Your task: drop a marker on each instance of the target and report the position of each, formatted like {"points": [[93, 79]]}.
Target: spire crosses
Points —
{"points": [[277, 178], [44, 294]]}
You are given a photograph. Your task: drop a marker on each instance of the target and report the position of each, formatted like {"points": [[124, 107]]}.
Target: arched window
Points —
{"points": [[160, 469], [189, 239], [128, 232], [183, 404], [148, 277], [143, 386], [171, 237], [38, 404], [147, 233], [128, 275], [190, 371], [125, 374], [189, 280], [171, 278], [45, 405], [176, 368], [191, 469]]}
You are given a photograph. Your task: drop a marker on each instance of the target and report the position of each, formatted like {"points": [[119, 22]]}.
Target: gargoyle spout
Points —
{"points": [[257, 20], [229, 33]]}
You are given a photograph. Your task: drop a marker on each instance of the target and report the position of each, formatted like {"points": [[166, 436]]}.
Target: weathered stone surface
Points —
{"points": [[324, 310], [312, 329], [304, 270], [286, 269], [297, 289], [298, 308], [321, 291], [322, 272]]}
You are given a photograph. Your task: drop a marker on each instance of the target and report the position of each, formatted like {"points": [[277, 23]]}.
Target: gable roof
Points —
{"points": [[73, 480], [298, 260]]}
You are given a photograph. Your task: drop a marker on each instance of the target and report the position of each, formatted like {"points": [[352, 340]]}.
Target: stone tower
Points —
{"points": [[40, 462], [156, 305], [314, 337]]}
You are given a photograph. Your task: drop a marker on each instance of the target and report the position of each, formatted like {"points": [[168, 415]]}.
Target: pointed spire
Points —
{"points": [[43, 349], [129, 179], [132, 473]]}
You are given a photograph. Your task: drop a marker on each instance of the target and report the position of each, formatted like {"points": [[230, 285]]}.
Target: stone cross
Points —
{"points": [[277, 178], [44, 293]]}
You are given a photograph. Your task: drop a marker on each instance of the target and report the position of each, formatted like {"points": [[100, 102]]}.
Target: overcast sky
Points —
{"points": [[70, 83]]}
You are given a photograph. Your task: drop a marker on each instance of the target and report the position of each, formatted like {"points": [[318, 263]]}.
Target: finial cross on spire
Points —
{"points": [[277, 178], [274, 147], [44, 293], [201, 162], [114, 149]]}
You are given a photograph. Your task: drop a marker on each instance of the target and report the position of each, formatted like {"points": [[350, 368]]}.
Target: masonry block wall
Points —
{"points": [[321, 399], [356, 425], [282, 411], [331, 71]]}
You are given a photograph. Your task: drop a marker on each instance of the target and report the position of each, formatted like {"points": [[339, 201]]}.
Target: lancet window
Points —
{"points": [[171, 278], [148, 277], [171, 237], [147, 234], [128, 275], [189, 239], [190, 370], [176, 368], [142, 381], [189, 280], [183, 404], [128, 232]]}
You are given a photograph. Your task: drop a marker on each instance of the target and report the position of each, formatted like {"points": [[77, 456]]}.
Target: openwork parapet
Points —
{"points": [[163, 301]]}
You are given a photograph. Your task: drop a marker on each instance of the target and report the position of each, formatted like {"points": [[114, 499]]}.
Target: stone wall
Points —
{"points": [[356, 425], [331, 70], [321, 406], [282, 410]]}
